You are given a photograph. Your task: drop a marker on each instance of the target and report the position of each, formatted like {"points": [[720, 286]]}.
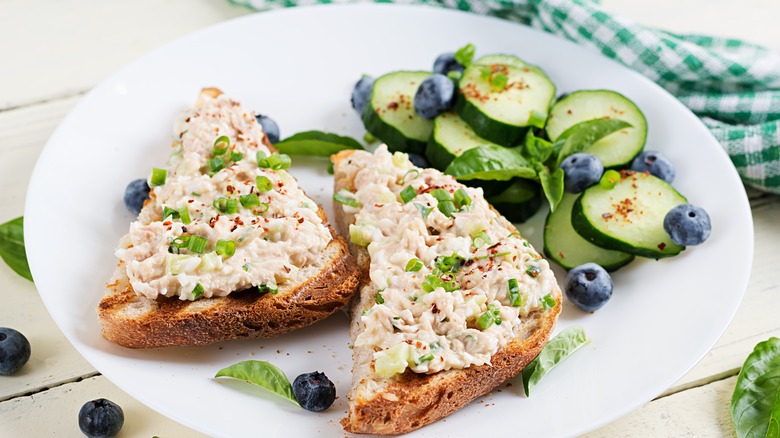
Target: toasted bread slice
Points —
{"points": [[408, 401], [315, 290]]}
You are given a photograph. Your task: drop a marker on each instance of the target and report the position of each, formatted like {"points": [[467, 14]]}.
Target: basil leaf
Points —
{"points": [[490, 162], [12, 247], [316, 143], [263, 374], [559, 348], [552, 186], [536, 148], [584, 134], [755, 404]]}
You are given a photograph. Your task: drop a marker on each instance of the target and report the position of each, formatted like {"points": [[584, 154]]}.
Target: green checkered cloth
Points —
{"points": [[734, 86]]}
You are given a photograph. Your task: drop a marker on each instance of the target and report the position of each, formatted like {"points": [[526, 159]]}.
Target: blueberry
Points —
{"points": [[581, 171], [101, 418], [656, 163], [135, 194], [14, 351], [588, 286], [314, 391], [361, 93], [434, 96], [687, 224], [446, 63], [270, 127], [419, 160]]}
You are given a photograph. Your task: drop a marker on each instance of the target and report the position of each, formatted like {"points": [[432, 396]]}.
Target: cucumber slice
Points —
{"points": [[518, 202], [504, 114], [614, 150], [568, 249], [451, 137], [389, 114], [629, 217], [501, 59]]}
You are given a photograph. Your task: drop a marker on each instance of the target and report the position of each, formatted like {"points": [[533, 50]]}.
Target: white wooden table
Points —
{"points": [[51, 53]]}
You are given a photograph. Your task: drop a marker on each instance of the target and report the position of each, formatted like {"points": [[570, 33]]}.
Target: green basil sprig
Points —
{"points": [[12, 247], [263, 374], [316, 143], [755, 404], [584, 134], [559, 348], [490, 162]]}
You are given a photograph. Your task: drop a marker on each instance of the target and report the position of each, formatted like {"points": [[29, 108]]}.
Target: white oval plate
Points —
{"points": [[299, 65]]}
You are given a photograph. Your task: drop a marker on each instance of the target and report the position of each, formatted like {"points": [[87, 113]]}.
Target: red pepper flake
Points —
{"points": [[300, 221], [213, 221], [607, 216], [408, 341], [286, 269], [238, 220], [434, 309], [230, 189], [560, 254], [661, 246], [568, 111], [190, 201], [392, 105], [379, 205], [166, 223]]}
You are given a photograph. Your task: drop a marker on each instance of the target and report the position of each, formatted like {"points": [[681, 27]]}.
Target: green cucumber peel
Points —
{"points": [[262, 374], [12, 247], [755, 404], [583, 134], [316, 143], [559, 348], [490, 162]]}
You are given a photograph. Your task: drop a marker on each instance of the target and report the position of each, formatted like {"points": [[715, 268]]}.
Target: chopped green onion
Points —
{"points": [[430, 283], [481, 239], [264, 288], [226, 248], [410, 172], [441, 195], [533, 271], [435, 345], [274, 161], [465, 54], [462, 198], [491, 316], [515, 299], [158, 177], [262, 208], [379, 298], [449, 264], [236, 156], [226, 205], [425, 358], [181, 241], [184, 215], [222, 141], [197, 291], [246, 267], [490, 256], [446, 206], [250, 200], [515, 234], [346, 200], [195, 194], [181, 213], [499, 80], [485, 73], [414, 265], [424, 210], [408, 194], [216, 164], [548, 302], [167, 211], [263, 184], [197, 244], [454, 75], [610, 179]]}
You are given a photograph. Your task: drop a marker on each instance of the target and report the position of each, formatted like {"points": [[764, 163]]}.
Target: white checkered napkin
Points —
{"points": [[732, 84]]}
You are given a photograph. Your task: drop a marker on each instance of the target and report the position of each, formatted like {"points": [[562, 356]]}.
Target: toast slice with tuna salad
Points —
{"points": [[228, 246], [452, 300]]}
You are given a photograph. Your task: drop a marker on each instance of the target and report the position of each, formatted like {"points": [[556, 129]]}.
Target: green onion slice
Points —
{"points": [[216, 164], [414, 174], [264, 288], [246, 267], [197, 244], [226, 205], [462, 198], [167, 211], [491, 316], [221, 145], [515, 299], [481, 239], [425, 358], [346, 200], [548, 302], [533, 271], [184, 215], [197, 291], [499, 80], [408, 194], [379, 298], [158, 177], [263, 183], [262, 208], [250, 200], [274, 161], [236, 156], [226, 248], [414, 265], [610, 179]]}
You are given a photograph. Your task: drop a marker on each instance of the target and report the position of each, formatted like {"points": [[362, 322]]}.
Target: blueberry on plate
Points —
{"points": [[101, 418], [314, 391], [135, 194], [656, 163], [14, 350], [588, 286], [361, 93], [581, 171], [270, 127], [446, 63], [687, 224], [435, 95], [419, 160]]}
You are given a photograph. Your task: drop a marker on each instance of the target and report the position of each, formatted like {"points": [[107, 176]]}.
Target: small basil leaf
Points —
{"points": [[490, 162], [755, 404], [536, 148], [316, 143], [263, 374], [12, 247], [584, 134], [552, 186], [559, 348]]}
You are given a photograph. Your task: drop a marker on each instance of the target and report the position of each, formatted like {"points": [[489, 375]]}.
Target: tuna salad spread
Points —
{"points": [[453, 279], [232, 216]]}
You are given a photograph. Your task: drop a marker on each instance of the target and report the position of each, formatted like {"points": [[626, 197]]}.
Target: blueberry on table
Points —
{"points": [[361, 93], [446, 63], [314, 391], [581, 171], [270, 127], [687, 224], [101, 418], [434, 96], [14, 350], [656, 163], [419, 160], [135, 194], [588, 286]]}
